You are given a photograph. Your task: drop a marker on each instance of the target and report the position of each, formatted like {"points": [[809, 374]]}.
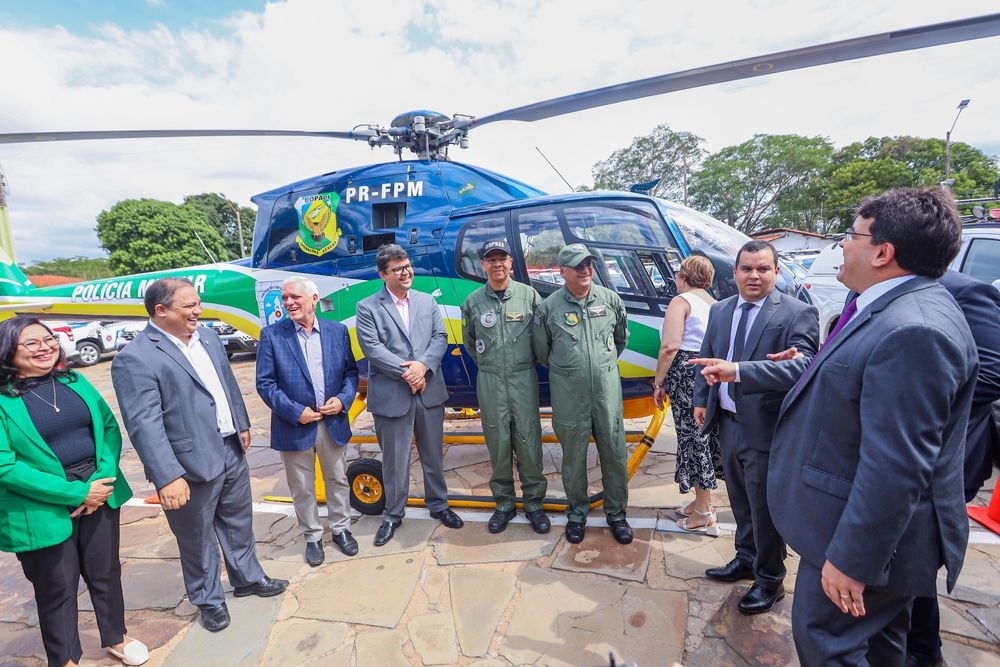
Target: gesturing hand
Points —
{"points": [[716, 370], [785, 355]]}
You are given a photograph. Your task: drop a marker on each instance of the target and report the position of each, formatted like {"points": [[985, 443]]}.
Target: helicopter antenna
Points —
{"points": [[205, 248], [571, 188]]}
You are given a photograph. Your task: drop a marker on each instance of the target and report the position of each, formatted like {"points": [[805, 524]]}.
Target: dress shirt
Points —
{"points": [[868, 297], [403, 306], [725, 401], [196, 354], [312, 349]]}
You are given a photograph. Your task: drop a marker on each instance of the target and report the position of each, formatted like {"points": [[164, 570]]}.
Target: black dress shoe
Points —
{"points": [[734, 570], [314, 553], [539, 521], [346, 543], [913, 660], [622, 531], [448, 518], [264, 588], [385, 533], [574, 531], [759, 599], [215, 618], [500, 519]]}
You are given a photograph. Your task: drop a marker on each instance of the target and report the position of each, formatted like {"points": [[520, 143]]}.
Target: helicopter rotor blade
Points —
{"points": [[361, 134], [783, 61]]}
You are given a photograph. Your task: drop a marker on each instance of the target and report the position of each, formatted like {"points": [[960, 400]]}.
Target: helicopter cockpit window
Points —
{"points": [[472, 237], [623, 223], [541, 239]]}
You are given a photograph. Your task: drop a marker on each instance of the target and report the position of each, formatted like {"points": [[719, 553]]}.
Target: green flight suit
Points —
{"points": [[579, 341], [497, 335]]}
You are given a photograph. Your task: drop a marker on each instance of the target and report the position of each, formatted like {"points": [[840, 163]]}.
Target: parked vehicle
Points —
{"points": [[236, 341], [978, 257]]}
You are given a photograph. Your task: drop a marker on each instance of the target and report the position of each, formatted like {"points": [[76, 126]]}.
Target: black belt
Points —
{"points": [[732, 415], [233, 438]]}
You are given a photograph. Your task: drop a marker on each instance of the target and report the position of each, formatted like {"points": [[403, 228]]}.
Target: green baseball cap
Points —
{"points": [[573, 254]]}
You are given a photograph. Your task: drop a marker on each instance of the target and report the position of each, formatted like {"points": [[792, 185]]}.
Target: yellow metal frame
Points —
{"points": [[644, 439]]}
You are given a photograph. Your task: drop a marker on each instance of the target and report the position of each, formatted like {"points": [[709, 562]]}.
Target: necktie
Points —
{"points": [[740, 342], [845, 317]]}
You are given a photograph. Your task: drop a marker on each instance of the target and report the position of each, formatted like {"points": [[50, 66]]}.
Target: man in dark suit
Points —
{"points": [[307, 375], [980, 304], [866, 467], [185, 416], [757, 321], [402, 335]]}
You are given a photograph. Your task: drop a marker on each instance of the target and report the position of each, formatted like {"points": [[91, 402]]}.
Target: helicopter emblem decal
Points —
{"points": [[318, 231]]}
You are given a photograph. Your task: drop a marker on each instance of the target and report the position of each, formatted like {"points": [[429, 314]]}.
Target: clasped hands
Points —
{"points": [[415, 376], [100, 490], [333, 406]]}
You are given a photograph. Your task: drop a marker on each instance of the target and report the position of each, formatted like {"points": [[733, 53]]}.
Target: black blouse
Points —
{"points": [[69, 433]]}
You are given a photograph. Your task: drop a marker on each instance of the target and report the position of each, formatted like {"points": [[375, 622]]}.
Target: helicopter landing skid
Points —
{"points": [[364, 475]]}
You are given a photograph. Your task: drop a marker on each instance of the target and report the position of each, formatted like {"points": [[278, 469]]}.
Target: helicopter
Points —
{"points": [[441, 211]]}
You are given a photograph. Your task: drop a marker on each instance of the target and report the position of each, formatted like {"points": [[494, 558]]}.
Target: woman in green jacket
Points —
{"points": [[60, 490]]}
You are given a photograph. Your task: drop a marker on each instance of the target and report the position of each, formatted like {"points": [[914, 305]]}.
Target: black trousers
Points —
{"points": [[923, 641], [91, 551]]}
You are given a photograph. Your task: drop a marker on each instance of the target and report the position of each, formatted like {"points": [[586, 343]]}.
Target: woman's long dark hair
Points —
{"points": [[10, 336]]}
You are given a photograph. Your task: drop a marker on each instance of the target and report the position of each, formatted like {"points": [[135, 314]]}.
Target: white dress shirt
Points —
{"points": [[194, 351]]}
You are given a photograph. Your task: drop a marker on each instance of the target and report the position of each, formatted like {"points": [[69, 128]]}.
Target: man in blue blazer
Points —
{"points": [[307, 375], [866, 473]]}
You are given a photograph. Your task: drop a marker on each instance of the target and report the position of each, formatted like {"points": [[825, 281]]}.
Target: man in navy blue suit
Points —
{"points": [[307, 375]]}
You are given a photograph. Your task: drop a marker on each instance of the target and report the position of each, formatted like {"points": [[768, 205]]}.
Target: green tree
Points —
{"points": [[876, 164], [766, 179], [664, 154], [221, 214], [149, 235], [84, 268]]}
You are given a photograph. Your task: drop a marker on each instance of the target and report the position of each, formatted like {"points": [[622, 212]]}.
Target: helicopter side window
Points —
{"points": [[472, 237], [622, 272], [622, 223], [541, 239]]}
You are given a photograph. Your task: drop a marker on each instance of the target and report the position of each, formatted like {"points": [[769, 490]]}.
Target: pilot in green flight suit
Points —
{"points": [[496, 329], [579, 332]]}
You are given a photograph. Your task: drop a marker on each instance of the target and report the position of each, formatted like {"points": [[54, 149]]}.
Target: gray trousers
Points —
{"points": [[394, 437], [757, 540], [219, 514], [824, 635], [300, 471]]}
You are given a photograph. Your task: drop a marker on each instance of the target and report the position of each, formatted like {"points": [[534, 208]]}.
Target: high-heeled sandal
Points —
{"points": [[711, 527], [684, 511]]}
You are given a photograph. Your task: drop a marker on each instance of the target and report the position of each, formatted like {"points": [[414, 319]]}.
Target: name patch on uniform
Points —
{"points": [[572, 319], [488, 319], [515, 317], [597, 311]]}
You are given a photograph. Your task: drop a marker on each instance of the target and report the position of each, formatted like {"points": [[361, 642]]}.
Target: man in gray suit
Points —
{"points": [[402, 335], [186, 419], [867, 461], [758, 321]]}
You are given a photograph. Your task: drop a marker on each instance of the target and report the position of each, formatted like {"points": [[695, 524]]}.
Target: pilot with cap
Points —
{"points": [[579, 332], [496, 328]]}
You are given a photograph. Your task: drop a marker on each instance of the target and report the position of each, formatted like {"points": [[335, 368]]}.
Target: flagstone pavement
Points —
{"points": [[435, 596]]}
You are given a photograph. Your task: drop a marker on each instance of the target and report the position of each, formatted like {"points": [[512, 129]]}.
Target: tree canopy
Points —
{"points": [[221, 214], [84, 268], [664, 154], [148, 235]]}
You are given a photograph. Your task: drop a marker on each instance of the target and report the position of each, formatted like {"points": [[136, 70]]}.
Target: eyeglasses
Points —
{"points": [[583, 267], [35, 344], [850, 232], [400, 270]]}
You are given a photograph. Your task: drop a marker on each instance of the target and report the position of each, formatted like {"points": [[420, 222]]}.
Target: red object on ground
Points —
{"points": [[153, 499], [988, 516]]}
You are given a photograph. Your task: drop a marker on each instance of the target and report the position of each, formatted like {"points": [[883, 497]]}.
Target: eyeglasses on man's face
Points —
{"points": [[851, 233], [400, 270], [36, 344]]}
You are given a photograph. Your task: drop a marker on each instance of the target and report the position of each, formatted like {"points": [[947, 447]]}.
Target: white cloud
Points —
{"points": [[310, 64]]}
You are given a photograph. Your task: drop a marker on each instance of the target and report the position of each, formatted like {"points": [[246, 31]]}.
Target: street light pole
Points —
{"points": [[947, 140], [239, 223]]}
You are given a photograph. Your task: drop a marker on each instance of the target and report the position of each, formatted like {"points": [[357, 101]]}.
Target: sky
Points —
{"points": [[331, 65]]}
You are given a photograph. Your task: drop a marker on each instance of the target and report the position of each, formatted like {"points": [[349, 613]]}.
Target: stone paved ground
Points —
{"points": [[435, 596]]}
